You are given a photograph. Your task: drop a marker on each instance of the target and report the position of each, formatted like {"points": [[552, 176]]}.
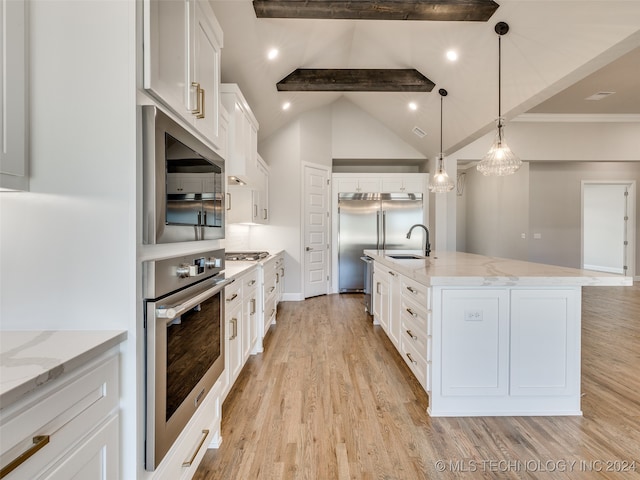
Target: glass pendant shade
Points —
{"points": [[440, 182], [499, 160]]}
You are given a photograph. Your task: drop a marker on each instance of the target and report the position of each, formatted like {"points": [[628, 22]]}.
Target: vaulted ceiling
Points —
{"points": [[555, 54]]}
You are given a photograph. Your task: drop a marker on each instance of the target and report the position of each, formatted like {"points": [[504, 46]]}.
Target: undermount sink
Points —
{"points": [[407, 256]]}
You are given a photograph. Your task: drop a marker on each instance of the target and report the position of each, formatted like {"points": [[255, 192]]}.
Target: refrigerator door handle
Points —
{"points": [[378, 230], [384, 229]]}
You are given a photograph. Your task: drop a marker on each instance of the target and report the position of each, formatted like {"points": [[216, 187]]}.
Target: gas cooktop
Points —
{"points": [[245, 256]]}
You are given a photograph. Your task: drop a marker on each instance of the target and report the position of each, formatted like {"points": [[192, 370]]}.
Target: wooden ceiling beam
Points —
{"points": [[355, 80], [439, 10]]}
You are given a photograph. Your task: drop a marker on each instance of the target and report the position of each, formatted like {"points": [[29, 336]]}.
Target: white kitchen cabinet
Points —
{"points": [[74, 418], [202, 432], [190, 183], [394, 308], [233, 306], [242, 134], [414, 183], [279, 277], [381, 296], [262, 185], [182, 46], [356, 184], [14, 120], [250, 314]]}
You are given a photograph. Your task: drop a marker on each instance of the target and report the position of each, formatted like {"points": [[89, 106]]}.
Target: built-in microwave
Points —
{"points": [[183, 183]]}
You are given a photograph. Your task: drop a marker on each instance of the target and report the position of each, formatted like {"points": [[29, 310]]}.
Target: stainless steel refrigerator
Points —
{"points": [[373, 221]]}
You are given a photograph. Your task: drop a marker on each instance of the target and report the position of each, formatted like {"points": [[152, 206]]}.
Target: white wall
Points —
{"points": [[340, 130], [68, 247], [550, 195]]}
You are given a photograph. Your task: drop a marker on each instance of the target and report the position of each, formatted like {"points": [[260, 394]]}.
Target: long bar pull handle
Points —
{"points": [[174, 311], [411, 359], [39, 441], [200, 113], [253, 306], [410, 333], [412, 290], [196, 111], [188, 463], [228, 201], [234, 323], [411, 312], [378, 287], [384, 230], [264, 213], [232, 297], [377, 230]]}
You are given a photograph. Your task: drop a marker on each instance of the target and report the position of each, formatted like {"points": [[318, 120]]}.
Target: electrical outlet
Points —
{"points": [[473, 315]]}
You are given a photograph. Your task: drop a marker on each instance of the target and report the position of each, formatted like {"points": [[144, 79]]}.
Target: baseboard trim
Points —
{"points": [[292, 297]]}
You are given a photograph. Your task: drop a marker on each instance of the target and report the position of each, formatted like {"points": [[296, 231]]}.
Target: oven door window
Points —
{"points": [[194, 187], [193, 345]]}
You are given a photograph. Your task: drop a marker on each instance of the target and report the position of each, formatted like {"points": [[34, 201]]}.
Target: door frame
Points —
{"points": [[631, 222], [303, 258]]}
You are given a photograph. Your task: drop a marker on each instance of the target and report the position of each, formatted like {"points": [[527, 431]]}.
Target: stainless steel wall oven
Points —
{"points": [[184, 343], [183, 183]]}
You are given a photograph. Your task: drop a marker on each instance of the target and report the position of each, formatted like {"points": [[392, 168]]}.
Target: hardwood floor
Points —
{"points": [[330, 398]]}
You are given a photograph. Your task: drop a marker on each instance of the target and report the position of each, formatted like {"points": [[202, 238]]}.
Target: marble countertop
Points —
{"points": [[237, 267], [30, 359], [466, 269]]}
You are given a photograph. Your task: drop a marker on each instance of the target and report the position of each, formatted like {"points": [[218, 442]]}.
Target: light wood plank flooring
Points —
{"points": [[330, 398]]}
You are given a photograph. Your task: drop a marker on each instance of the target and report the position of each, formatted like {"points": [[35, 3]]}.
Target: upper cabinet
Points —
{"points": [[414, 183], [250, 204], [182, 46], [14, 158], [242, 145]]}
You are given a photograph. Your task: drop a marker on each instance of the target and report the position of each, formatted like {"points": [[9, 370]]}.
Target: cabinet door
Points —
{"points": [[95, 457], [204, 70], [249, 326], [165, 53], [234, 343], [347, 185], [392, 185], [414, 184], [13, 101], [394, 308], [381, 299], [371, 185]]}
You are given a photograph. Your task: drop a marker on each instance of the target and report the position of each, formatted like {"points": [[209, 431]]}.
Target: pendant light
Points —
{"points": [[499, 160], [440, 182]]}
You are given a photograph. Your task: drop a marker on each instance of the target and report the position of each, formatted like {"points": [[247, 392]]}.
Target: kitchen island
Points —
{"points": [[486, 336]]}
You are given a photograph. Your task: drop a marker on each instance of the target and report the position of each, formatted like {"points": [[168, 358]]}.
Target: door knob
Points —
{"points": [[308, 249]]}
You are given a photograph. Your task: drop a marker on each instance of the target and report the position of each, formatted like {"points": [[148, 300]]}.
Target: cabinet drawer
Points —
{"points": [[415, 335], [250, 281], [202, 432], [421, 294], [270, 285], [233, 295], [269, 311], [64, 413], [416, 312], [416, 363]]}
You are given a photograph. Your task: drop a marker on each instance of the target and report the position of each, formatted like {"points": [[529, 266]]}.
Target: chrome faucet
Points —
{"points": [[427, 245]]}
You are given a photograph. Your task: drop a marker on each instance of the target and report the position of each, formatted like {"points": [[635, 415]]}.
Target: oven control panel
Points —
{"points": [[169, 274], [198, 267]]}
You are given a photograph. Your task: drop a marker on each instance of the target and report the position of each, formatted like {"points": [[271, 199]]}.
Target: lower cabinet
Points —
{"points": [[70, 427], [202, 432]]}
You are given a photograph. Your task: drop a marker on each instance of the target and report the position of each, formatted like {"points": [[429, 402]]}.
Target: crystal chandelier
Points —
{"points": [[499, 160], [440, 182]]}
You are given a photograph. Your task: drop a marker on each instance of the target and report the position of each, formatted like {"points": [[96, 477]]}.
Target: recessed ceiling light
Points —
{"points": [[286, 105], [413, 106], [452, 55], [273, 53]]}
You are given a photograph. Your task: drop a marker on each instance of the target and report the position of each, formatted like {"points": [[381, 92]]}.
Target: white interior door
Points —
{"points": [[606, 232], [316, 231]]}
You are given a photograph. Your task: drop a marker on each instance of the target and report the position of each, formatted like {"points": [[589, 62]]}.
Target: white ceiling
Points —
{"points": [[556, 53]]}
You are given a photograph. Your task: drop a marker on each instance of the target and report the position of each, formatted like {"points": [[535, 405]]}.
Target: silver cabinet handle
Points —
{"points": [[188, 463], [228, 201], [410, 333], [255, 211], [277, 278], [378, 287], [393, 274], [264, 214], [411, 312], [232, 297], [39, 441], [234, 323], [411, 359], [253, 306], [251, 283], [272, 289], [412, 290]]}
